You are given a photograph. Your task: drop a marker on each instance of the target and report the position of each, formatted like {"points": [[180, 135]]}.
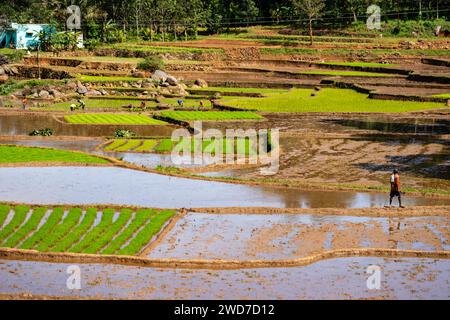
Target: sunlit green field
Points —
{"points": [[326, 100], [18, 154], [93, 118]]}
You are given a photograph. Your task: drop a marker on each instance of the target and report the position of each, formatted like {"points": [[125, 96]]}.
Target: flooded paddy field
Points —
{"points": [[88, 185], [290, 236], [17, 124], [342, 278]]}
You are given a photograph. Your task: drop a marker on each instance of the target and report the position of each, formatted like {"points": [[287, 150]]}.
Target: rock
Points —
{"points": [[82, 90], [178, 90], [35, 95], [103, 92], [145, 93], [148, 84], [136, 85], [201, 83], [2, 71], [57, 94], [172, 80], [14, 70], [317, 88], [165, 85], [44, 94], [138, 74], [26, 91], [160, 76], [93, 93], [4, 77]]}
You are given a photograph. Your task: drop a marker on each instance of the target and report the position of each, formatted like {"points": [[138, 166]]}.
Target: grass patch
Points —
{"points": [[18, 154], [327, 100], [89, 78], [347, 73], [443, 95], [211, 115], [20, 214], [98, 118], [360, 64]]}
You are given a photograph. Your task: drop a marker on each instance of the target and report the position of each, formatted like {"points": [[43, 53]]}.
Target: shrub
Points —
{"points": [[122, 133], [151, 63], [42, 132]]}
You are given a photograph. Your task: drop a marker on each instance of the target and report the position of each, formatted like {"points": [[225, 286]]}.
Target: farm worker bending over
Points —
{"points": [[395, 188], [180, 102], [82, 104], [24, 103]]}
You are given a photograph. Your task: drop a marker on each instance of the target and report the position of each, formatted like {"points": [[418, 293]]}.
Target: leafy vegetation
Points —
{"points": [[123, 133], [151, 63], [42, 132], [98, 118], [124, 232], [20, 154]]}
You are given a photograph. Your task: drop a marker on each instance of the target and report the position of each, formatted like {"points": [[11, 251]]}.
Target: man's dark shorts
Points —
{"points": [[395, 194]]}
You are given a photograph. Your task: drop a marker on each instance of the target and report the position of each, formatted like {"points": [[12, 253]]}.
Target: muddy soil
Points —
{"points": [[275, 237], [342, 278]]}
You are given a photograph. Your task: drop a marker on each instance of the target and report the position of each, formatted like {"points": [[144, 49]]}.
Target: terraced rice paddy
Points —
{"points": [[80, 230], [18, 154], [240, 146], [112, 119], [326, 100], [211, 115]]}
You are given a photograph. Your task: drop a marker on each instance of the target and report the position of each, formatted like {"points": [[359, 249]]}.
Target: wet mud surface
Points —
{"points": [[342, 278], [278, 236]]}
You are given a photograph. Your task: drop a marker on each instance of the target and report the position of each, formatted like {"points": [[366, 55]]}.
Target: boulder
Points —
{"points": [[179, 90], [93, 93], [201, 83], [44, 94], [172, 80], [148, 84], [160, 76]]}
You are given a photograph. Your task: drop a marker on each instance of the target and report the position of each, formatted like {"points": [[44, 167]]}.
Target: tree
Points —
{"points": [[312, 9]]}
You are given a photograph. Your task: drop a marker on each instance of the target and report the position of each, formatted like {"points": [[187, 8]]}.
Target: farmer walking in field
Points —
{"points": [[395, 188], [24, 103]]}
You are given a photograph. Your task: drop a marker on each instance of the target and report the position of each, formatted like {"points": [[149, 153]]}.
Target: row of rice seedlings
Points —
{"points": [[78, 232], [96, 232], [61, 230], [4, 211], [165, 145], [145, 235], [141, 218], [147, 145], [108, 235], [115, 144], [129, 145], [20, 214], [27, 228], [55, 217]]}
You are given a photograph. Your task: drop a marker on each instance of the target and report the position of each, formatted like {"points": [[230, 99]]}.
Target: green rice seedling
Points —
{"points": [[44, 230], [78, 232], [4, 210], [141, 218], [18, 154], [327, 100], [96, 232], [131, 119], [165, 145], [20, 214], [128, 146], [211, 115], [115, 144], [28, 227], [145, 235], [147, 145], [61, 230], [108, 235]]}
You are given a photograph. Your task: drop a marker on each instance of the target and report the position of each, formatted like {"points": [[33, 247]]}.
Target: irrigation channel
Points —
{"points": [[340, 278]]}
